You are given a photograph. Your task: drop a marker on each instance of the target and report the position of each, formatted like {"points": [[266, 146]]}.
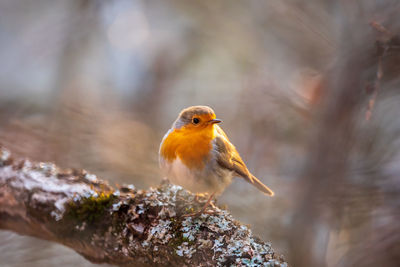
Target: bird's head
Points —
{"points": [[196, 118]]}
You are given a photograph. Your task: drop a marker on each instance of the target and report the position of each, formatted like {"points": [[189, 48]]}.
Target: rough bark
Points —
{"points": [[124, 226]]}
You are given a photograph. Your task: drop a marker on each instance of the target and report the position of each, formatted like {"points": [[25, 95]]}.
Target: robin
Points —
{"points": [[197, 154]]}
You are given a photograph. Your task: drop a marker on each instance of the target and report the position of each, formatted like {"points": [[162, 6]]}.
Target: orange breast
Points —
{"points": [[191, 146]]}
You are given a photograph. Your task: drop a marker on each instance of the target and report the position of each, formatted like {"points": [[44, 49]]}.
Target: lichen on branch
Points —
{"points": [[123, 226]]}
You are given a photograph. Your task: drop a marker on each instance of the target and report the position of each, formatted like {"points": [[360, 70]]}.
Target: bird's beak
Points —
{"points": [[214, 121]]}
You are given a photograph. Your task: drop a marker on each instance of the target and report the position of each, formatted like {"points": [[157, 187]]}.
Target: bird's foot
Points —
{"points": [[204, 208], [199, 196], [165, 181]]}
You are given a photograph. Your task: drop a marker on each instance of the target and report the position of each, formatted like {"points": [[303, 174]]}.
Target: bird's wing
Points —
{"points": [[229, 158]]}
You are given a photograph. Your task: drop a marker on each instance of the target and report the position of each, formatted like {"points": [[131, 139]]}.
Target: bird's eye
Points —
{"points": [[195, 120]]}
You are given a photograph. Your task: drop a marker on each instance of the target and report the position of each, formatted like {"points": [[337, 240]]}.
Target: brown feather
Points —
{"points": [[229, 158], [262, 187]]}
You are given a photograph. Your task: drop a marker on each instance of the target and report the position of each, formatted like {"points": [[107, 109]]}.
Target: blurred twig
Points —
{"points": [[387, 42]]}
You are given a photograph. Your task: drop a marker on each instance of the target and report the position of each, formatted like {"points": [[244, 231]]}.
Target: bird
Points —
{"points": [[196, 154]]}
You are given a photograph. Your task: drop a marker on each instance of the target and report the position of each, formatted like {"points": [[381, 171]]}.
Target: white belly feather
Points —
{"points": [[207, 180]]}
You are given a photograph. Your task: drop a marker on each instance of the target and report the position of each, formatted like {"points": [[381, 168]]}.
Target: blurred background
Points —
{"points": [[308, 91]]}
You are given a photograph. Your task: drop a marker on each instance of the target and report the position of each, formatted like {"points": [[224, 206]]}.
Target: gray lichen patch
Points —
{"points": [[47, 185], [36, 178], [158, 222], [43, 177], [230, 242]]}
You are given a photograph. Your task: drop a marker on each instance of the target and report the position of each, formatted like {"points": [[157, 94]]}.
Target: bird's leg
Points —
{"points": [[204, 195], [165, 180], [198, 196], [208, 203], [204, 208], [212, 204]]}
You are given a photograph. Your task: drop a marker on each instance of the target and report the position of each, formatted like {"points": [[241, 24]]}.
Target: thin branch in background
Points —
{"points": [[386, 43], [379, 72]]}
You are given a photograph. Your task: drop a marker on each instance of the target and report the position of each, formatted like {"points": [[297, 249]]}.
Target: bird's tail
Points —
{"points": [[262, 187]]}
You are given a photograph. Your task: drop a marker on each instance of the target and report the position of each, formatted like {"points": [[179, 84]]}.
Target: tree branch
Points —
{"points": [[125, 226]]}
